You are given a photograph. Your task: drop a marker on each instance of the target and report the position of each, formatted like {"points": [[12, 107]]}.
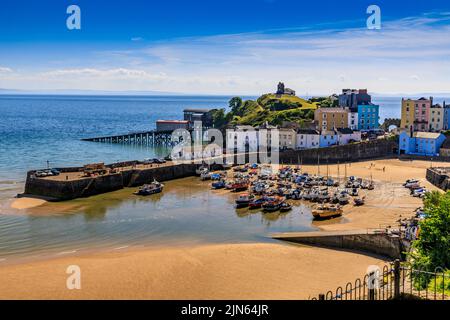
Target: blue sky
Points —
{"points": [[225, 47]]}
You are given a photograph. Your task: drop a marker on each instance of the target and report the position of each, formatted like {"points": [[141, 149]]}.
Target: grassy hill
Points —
{"points": [[285, 101], [270, 108]]}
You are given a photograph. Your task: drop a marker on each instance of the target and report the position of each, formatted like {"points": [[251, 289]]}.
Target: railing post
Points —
{"points": [[321, 296], [397, 279]]}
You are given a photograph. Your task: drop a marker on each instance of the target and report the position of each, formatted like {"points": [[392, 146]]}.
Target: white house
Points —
{"points": [[346, 136], [288, 138], [353, 120], [308, 139], [242, 138], [436, 121]]}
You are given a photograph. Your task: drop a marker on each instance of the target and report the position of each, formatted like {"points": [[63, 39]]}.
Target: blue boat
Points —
{"points": [[218, 184]]}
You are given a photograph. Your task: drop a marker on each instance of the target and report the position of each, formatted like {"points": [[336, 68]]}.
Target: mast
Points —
{"points": [[301, 164], [328, 175], [338, 176], [345, 172], [318, 165]]}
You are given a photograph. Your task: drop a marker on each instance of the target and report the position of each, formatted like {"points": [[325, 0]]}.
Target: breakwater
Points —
{"points": [[129, 176]]}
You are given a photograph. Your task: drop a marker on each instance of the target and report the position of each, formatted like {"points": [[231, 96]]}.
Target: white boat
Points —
{"points": [[201, 170]]}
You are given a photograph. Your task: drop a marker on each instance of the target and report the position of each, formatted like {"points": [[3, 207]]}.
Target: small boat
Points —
{"points": [[343, 198], [216, 176], [327, 212], [284, 207], [218, 184], [229, 185], [201, 170], [256, 203], [149, 189], [324, 196], [244, 199], [359, 201], [206, 175], [410, 182], [272, 204], [296, 195], [240, 186]]}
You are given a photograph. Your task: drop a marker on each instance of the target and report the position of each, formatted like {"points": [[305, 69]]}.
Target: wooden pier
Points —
{"points": [[153, 138]]}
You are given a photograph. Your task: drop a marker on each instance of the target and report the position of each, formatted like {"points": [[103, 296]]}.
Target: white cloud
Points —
{"points": [[308, 60], [5, 70], [103, 73]]}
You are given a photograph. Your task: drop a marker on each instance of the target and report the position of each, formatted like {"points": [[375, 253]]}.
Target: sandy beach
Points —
{"points": [[228, 271]]}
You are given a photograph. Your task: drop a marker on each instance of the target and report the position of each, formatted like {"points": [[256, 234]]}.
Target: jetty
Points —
{"points": [[151, 138]]}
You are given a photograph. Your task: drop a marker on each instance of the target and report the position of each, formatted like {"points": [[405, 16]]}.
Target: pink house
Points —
{"points": [[422, 113]]}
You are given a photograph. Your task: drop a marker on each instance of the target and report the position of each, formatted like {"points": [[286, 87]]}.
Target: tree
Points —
{"points": [[218, 116], [432, 249], [235, 105]]}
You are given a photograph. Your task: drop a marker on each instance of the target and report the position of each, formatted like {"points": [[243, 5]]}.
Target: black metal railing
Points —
{"points": [[394, 281]]}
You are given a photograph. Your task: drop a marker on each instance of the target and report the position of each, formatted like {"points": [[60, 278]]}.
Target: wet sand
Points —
{"points": [[27, 203], [227, 271], [230, 271]]}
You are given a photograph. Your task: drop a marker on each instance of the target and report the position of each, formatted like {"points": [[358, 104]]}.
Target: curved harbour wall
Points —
{"points": [[57, 190]]}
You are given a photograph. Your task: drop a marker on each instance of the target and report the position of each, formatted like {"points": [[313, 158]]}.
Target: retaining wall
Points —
{"points": [[380, 244], [439, 177], [352, 152]]}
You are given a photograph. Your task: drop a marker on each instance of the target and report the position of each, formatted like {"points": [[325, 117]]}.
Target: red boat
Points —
{"points": [[240, 186], [257, 203]]}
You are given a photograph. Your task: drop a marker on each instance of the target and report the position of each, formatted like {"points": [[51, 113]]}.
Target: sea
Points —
{"points": [[41, 130]]}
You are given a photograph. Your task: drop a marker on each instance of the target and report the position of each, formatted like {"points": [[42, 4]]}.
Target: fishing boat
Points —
{"points": [[218, 184], [327, 212], [354, 192], [256, 203], [284, 207], [343, 198], [216, 176], [296, 194], [307, 195], [323, 195], [272, 204], [240, 186], [244, 199], [206, 175], [359, 201], [149, 189], [201, 169]]}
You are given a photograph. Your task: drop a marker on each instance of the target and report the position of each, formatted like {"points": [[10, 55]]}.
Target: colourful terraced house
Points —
{"points": [[421, 143], [368, 116]]}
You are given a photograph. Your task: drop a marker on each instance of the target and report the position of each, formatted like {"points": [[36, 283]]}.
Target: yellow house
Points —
{"points": [[407, 121], [329, 119]]}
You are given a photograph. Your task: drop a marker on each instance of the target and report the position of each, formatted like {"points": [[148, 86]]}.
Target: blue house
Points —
{"points": [[446, 125], [328, 139], [421, 143], [368, 116]]}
